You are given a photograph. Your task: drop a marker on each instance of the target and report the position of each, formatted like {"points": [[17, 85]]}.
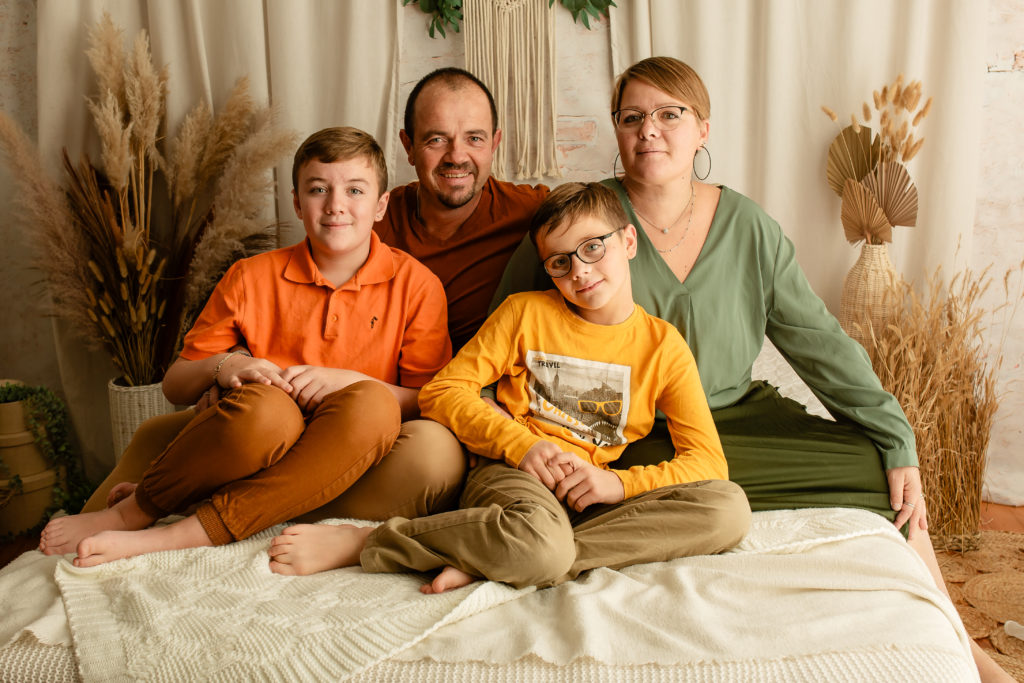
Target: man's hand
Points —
{"points": [[587, 485], [311, 384], [548, 463]]}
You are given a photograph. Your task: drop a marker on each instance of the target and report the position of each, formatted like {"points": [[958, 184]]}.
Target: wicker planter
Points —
{"points": [[130, 407], [866, 291]]}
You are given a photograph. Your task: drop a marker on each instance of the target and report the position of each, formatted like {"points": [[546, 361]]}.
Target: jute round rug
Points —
{"points": [[987, 587]]}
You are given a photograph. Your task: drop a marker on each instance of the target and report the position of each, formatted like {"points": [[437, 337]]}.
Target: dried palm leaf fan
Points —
{"points": [[851, 155], [863, 218], [890, 184]]}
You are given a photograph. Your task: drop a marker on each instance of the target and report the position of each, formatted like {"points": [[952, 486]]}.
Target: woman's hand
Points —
{"points": [[589, 484], [548, 463], [907, 498]]}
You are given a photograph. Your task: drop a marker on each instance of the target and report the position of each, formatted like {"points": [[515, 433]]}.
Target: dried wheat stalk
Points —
{"points": [[932, 356]]}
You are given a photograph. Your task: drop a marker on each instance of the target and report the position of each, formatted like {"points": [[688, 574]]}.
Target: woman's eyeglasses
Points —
{"points": [[589, 251], [664, 118]]}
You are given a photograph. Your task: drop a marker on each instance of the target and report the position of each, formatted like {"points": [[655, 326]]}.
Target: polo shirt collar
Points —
{"points": [[378, 267]]}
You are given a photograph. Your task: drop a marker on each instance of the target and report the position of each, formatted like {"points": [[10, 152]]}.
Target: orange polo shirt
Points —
{"points": [[389, 321]]}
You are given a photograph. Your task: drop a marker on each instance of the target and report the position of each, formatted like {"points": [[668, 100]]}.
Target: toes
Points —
{"points": [[282, 568]]}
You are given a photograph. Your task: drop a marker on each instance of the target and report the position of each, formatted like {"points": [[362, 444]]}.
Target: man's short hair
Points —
{"points": [[570, 202], [341, 144], [454, 78]]}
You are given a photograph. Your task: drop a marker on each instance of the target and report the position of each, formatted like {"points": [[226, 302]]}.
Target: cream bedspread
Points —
{"points": [[809, 595]]}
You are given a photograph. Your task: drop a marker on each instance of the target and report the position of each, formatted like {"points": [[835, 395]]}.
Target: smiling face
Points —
{"points": [[651, 155], [453, 143], [599, 292], [338, 203]]}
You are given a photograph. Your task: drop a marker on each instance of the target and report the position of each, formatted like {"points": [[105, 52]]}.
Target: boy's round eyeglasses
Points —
{"points": [[588, 251], [664, 118]]}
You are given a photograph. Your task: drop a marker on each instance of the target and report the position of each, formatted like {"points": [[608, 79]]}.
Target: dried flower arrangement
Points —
{"points": [[130, 249], [867, 170], [931, 355]]}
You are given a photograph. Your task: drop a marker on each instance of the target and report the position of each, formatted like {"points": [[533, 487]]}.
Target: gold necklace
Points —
{"points": [[692, 205]]}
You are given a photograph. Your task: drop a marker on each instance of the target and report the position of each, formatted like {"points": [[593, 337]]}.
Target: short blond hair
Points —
{"points": [[671, 76], [570, 202], [341, 144]]}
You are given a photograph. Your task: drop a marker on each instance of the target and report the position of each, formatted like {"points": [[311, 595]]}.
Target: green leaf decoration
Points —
{"points": [[580, 9], [851, 155]]}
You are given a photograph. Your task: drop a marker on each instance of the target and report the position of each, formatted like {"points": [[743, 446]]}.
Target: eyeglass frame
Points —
{"points": [[576, 252], [644, 116]]}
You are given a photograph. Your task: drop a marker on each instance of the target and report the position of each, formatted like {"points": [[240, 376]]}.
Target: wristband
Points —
{"points": [[216, 370]]}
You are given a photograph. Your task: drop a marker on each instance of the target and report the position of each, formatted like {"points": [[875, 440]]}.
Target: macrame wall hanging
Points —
{"points": [[510, 46]]}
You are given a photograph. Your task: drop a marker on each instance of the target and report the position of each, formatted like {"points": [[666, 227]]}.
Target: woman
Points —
{"points": [[714, 264]]}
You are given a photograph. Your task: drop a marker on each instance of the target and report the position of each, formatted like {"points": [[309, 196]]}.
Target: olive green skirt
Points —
{"points": [[784, 457]]}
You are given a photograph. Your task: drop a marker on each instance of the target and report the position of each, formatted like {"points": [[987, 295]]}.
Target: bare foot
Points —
{"points": [[108, 546], [304, 549], [449, 579], [62, 535]]}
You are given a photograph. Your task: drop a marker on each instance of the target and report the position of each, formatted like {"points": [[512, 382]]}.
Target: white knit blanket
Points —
{"points": [[808, 595], [220, 614]]}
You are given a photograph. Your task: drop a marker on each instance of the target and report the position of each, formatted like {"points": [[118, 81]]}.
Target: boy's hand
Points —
{"points": [[587, 485], [548, 463], [311, 384], [240, 369]]}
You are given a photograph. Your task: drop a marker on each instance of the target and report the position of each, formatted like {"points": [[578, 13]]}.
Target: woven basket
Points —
{"points": [[866, 292], [130, 407]]}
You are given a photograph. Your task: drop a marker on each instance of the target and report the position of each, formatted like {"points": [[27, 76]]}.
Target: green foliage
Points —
{"points": [[449, 12], [583, 9], [47, 419], [443, 12]]}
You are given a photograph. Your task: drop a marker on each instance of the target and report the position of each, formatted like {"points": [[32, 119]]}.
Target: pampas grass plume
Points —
{"points": [[229, 129], [183, 166], [107, 57]]}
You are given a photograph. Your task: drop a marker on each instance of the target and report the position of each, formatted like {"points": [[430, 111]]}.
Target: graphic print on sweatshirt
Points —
{"points": [[589, 398]]}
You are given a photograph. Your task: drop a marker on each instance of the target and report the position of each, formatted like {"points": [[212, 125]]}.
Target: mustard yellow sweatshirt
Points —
{"points": [[590, 389]]}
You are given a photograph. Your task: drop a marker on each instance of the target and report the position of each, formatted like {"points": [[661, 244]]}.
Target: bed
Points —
{"points": [[823, 594]]}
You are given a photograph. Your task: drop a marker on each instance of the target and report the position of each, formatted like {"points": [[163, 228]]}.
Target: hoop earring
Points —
{"points": [[707, 172], [615, 169]]}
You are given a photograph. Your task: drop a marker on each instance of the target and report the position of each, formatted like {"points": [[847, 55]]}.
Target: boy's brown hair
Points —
{"points": [[570, 202], [341, 144]]}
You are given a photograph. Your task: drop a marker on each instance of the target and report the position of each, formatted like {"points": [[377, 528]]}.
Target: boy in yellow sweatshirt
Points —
{"points": [[581, 371]]}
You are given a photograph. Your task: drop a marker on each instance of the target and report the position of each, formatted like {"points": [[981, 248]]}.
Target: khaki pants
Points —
{"points": [[258, 462], [511, 528]]}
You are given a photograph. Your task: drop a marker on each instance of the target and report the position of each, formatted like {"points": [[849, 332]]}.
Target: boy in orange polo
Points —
{"points": [[342, 330]]}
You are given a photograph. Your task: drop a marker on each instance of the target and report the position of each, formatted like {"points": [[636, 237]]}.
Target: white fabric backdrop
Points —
{"points": [[769, 67], [319, 62]]}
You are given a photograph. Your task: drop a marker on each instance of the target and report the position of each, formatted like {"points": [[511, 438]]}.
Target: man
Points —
{"points": [[457, 220]]}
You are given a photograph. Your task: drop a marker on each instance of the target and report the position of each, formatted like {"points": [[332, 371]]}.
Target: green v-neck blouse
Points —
{"points": [[744, 285]]}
